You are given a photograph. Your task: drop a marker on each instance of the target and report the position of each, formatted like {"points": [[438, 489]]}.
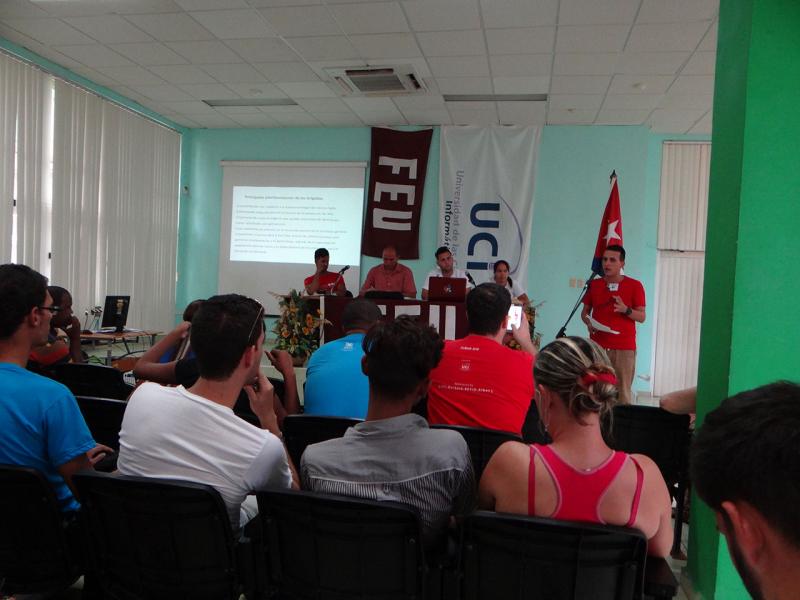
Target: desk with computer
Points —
{"points": [[112, 327]]}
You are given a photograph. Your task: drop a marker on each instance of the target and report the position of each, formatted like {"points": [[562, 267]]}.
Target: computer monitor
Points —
{"points": [[115, 312]]}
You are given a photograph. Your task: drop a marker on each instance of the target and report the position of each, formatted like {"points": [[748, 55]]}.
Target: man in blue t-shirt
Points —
{"points": [[41, 423], [335, 384]]}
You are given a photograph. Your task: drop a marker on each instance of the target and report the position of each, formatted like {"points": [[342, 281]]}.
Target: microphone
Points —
{"points": [[343, 269], [469, 278]]}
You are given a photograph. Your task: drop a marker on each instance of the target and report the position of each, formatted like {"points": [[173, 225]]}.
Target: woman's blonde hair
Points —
{"points": [[579, 371]]}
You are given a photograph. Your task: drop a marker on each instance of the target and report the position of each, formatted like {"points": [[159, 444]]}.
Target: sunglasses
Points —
{"points": [[259, 315]]}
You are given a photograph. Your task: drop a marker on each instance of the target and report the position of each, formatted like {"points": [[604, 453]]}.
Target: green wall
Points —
{"points": [[750, 320]]}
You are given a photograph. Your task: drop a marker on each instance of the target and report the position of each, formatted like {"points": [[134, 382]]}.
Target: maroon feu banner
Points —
{"points": [[399, 161]]}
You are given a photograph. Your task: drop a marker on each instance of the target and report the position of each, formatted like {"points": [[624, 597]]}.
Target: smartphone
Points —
{"points": [[514, 316]]}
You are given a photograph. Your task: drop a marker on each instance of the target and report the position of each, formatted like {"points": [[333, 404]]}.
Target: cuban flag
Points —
{"points": [[610, 227]]}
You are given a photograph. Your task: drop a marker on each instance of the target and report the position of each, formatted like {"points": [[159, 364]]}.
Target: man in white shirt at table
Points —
{"points": [[444, 268]]}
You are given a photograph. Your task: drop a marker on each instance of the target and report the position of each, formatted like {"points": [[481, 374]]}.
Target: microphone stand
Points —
{"points": [[563, 331], [338, 279]]}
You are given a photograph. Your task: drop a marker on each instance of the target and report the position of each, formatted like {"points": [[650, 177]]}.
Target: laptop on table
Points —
{"points": [[447, 289]]}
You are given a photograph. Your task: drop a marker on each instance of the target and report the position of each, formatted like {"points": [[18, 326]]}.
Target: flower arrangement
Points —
{"points": [[298, 326], [530, 312]]}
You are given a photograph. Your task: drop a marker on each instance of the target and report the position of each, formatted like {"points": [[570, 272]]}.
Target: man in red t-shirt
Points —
{"points": [[479, 381], [616, 301], [323, 281]]}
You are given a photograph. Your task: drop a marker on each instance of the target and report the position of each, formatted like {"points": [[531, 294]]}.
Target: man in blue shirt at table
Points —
{"points": [[335, 384], [42, 426]]}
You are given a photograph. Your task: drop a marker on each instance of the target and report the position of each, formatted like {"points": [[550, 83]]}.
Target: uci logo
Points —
{"points": [[487, 216]]}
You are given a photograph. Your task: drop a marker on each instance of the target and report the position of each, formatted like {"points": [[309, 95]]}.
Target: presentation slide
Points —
{"points": [[274, 215], [286, 224]]}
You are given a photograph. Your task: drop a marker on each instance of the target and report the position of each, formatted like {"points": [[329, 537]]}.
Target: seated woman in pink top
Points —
{"points": [[578, 477]]}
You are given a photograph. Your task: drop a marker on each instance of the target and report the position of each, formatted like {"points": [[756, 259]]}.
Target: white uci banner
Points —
{"points": [[486, 197]]}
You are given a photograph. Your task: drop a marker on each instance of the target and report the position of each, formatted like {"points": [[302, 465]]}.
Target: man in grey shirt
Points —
{"points": [[393, 455]]}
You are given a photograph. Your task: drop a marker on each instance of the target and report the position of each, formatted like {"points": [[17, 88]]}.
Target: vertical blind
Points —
{"points": [[681, 255], [97, 191], [25, 133]]}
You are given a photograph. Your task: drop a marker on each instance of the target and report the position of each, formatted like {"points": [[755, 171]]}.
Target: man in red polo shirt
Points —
{"points": [[479, 381], [616, 301], [323, 281]]}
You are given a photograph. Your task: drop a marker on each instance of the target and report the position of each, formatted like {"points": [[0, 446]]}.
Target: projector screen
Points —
{"points": [[274, 215]]}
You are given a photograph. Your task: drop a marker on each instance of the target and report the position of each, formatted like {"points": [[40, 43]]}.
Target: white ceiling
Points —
{"points": [[603, 62]]}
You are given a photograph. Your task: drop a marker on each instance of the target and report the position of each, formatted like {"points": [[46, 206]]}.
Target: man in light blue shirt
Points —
{"points": [[335, 384]]}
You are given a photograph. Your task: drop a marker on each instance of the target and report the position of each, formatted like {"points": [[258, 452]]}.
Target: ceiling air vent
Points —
{"points": [[377, 81]]}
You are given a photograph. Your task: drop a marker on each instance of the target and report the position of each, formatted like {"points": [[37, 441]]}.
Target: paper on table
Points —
{"points": [[600, 327]]}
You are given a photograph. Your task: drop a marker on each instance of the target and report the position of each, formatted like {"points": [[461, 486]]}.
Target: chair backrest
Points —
{"points": [[652, 431], [518, 557], [482, 443], [92, 380], [158, 538], [104, 418], [300, 431], [322, 546], [35, 550]]}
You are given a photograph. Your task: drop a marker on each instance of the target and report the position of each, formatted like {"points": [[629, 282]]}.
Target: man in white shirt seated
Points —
{"points": [[193, 434], [444, 268]]}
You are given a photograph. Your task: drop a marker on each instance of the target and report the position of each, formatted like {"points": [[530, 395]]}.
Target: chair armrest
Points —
{"points": [[659, 580]]}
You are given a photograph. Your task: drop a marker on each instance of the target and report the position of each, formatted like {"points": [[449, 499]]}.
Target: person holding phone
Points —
{"points": [[501, 277], [480, 382]]}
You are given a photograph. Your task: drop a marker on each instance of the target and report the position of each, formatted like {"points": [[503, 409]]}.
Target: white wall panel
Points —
{"points": [[684, 196], [681, 258], [679, 303]]}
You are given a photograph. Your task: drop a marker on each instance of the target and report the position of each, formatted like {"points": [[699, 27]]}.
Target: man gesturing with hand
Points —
{"points": [[616, 301], [193, 434]]}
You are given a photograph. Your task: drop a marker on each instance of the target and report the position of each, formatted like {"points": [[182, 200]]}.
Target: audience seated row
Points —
{"points": [[192, 433]]}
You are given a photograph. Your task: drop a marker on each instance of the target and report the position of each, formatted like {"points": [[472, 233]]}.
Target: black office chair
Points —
{"points": [[39, 549], [161, 539], [518, 557], [532, 429], [482, 443], [104, 418], [322, 546], [664, 437], [92, 380], [300, 431]]}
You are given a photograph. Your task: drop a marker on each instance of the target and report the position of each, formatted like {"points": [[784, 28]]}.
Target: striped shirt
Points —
{"points": [[401, 460]]}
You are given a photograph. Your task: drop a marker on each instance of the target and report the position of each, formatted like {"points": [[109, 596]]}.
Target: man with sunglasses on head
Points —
{"points": [[193, 434], [41, 424]]}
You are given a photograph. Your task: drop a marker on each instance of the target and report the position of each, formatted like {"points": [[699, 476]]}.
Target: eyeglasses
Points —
{"points": [[53, 309]]}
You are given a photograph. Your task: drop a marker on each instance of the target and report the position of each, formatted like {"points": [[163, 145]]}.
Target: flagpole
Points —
{"points": [[563, 331]]}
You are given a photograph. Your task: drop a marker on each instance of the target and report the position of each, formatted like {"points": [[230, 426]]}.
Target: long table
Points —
{"points": [[448, 318]]}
